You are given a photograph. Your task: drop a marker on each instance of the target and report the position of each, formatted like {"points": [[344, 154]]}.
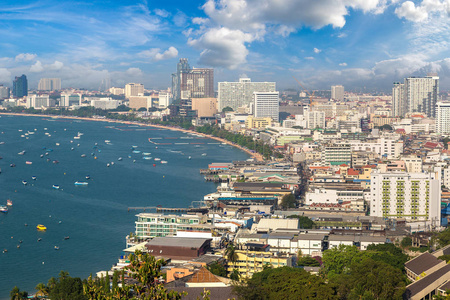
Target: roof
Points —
{"points": [[423, 262], [140, 246], [352, 171], [277, 223], [203, 276], [418, 286], [216, 293], [177, 242]]}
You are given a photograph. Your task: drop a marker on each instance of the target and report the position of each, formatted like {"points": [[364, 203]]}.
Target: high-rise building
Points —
{"points": [[238, 94], [40, 101], [443, 118], [422, 94], [192, 83], [266, 104], [20, 86], [49, 84], [205, 107], [165, 99], [413, 196], [67, 100], [337, 92], [4, 92], [117, 91], [398, 100], [134, 89]]}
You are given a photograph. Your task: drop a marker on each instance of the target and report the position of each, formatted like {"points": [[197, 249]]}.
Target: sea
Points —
{"points": [[95, 217]]}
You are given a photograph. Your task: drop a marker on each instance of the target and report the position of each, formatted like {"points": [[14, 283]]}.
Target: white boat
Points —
{"points": [[81, 183], [107, 164], [136, 151], [22, 135], [3, 208], [83, 155], [24, 182], [107, 141], [21, 152], [203, 154], [55, 186], [164, 162], [76, 137], [146, 157], [28, 162], [189, 157], [57, 144], [157, 159], [146, 153]]}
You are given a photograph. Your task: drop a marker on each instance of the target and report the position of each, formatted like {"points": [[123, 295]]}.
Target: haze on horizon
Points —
{"points": [[357, 43]]}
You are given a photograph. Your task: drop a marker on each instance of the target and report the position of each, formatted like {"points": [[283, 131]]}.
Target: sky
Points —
{"points": [[364, 45]]}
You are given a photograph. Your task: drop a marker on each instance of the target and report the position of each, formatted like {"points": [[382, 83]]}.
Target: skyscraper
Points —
{"points": [[443, 118], [20, 86], [134, 89], [192, 83], [4, 92], [266, 104], [398, 100], [337, 92], [49, 84], [238, 94], [422, 94]]}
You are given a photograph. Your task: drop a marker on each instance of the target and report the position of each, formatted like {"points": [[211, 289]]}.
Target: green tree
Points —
{"points": [[115, 280], [227, 109], [231, 254], [303, 222], [406, 242], [68, 288], [338, 260], [217, 269], [288, 201], [307, 261], [388, 253], [42, 288], [386, 127], [443, 237], [16, 294]]}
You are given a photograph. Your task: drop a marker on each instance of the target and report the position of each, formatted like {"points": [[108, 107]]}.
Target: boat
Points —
{"points": [[46, 153], [146, 153], [3, 208], [76, 137], [134, 147], [2, 143], [67, 237], [33, 177], [164, 162], [21, 152], [88, 177], [157, 159], [136, 151], [189, 157], [57, 144], [81, 183], [24, 182], [119, 159], [56, 162], [147, 157], [39, 239], [5, 250], [55, 186], [56, 248], [203, 154], [41, 227], [29, 162], [71, 149], [107, 164], [9, 202], [107, 141], [42, 155], [134, 160], [80, 134], [12, 165], [83, 155]]}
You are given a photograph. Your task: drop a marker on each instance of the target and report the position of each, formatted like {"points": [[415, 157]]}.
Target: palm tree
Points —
{"points": [[16, 294], [63, 274], [42, 289], [231, 254]]}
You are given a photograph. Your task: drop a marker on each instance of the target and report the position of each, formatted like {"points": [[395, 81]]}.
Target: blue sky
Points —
{"points": [[362, 44]]}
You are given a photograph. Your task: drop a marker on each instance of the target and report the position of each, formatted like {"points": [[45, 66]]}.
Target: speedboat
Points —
{"points": [[24, 182], [41, 227], [83, 155], [88, 177], [21, 152], [189, 157], [33, 177], [119, 159], [146, 153], [157, 159], [146, 157], [56, 162], [55, 186], [107, 141], [56, 248], [42, 155], [57, 144], [81, 183], [136, 151], [29, 162], [3, 208], [203, 154], [164, 162], [9, 202], [107, 164]]}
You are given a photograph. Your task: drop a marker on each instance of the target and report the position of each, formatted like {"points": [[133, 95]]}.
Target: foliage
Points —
{"points": [[288, 201], [303, 222], [445, 141], [406, 242], [230, 253], [227, 109], [443, 237], [388, 253], [285, 283], [307, 261], [16, 294], [235, 275], [338, 260], [67, 288], [386, 127], [217, 269], [445, 257]]}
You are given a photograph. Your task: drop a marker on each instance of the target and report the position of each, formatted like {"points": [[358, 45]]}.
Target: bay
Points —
{"points": [[94, 216]]}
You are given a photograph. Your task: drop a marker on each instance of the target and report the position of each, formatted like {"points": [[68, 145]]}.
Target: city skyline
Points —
{"points": [[359, 44]]}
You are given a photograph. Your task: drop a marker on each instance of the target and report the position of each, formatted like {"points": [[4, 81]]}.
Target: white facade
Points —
{"points": [[398, 100], [165, 99], [337, 92], [315, 119], [422, 94], [117, 91], [414, 196], [238, 94], [106, 104], [443, 118], [67, 100], [388, 147], [413, 164], [49, 84], [38, 101], [134, 89], [266, 104]]}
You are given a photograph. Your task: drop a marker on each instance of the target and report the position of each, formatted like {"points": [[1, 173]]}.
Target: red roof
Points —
{"points": [[352, 171], [369, 167], [430, 145], [343, 165], [400, 131]]}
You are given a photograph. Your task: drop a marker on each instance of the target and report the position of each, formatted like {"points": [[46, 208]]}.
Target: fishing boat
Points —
{"points": [[56, 162], [146, 153], [203, 154], [42, 155], [81, 183], [12, 165], [56, 248], [83, 155], [88, 177], [29, 162], [33, 177], [157, 159], [134, 147], [71, 149], [136, 151], [3, 208], [107, 141], [119, 159], [67, 237], [76, 137], [164, 162], [55, 186], [24, 182], [41, 227], [189, 157], [21, 152], [39, 239], [57, 144], [147, 157], [107, 164], [9, 202]]}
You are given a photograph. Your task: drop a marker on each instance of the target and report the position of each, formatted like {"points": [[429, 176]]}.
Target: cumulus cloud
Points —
{"points": [[309, 58], [134, 72], [423, 11], [222, 47], [5, 75], [57, 65], [37, 67], [161, 12], [25, 56], [317, 50], [343, 64], [156, 55]]}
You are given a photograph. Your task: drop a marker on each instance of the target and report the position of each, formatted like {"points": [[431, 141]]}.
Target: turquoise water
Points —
{"points": [[94, 216]]}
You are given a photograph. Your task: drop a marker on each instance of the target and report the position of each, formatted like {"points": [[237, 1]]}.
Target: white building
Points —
{"points": [[315, 119], [49, 84], [39, 101], [134, 89], [4, 92], [266, 104], [337, 154], [443, 118], [117, 91], [337, 92], [390, 148], [413, 196], [67, 100], [165, 99], [413, 164], [398, 100], [238, 94], [105, 103], [422, 94]]}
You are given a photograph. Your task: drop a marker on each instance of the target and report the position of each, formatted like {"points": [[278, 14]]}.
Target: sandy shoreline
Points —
{"points": [[256, 156]]}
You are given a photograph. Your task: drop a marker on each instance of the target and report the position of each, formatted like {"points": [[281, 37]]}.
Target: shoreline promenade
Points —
{"points": [[255, 155]]}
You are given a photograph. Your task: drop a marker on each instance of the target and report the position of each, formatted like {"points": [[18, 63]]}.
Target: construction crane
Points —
{"points": [[311, 96]]}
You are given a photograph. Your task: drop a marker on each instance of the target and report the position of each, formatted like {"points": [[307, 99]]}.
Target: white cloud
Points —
{"points": [[25, 56], [37, 67], [317, 50], [5, 75], [134, 72], [57, 65], [161, 12], [156, 55], [222, 47], [343, 64], [423, 11], [309, 58]]}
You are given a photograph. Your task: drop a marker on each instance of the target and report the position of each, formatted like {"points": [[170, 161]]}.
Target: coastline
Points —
{"points": [[256, 156]]}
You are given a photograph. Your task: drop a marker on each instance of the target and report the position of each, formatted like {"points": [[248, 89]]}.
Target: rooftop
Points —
{"points": [[177, 242], [423, 262]]}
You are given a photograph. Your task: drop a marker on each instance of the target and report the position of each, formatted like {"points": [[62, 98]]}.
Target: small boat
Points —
{"points": [[92, 153], [76, 137], [112, 163], [146, 153], [50, 150], [134, 160], [88, 177], [21, 152], [12, 165], [41, 227], [46, 153], [29, 162], [56, 248], [18, 246], [24, 182], [9, 203], [56, 162], [107, 164], [3, 208], [55, 186], [96, 144], [71, 149], [33, 177], [2, 143], [80, 134], [42, 155], [147, 157], [78, 145], [5, 250], [129, 156], [83, 155], [107, 141], [119, 159], [164, 162], [189, 157], [134, 147], [48, 159], [204, 154], [136, 151], [57, 144], [157, 159], [81, 183], [39, 239], [67, 237], [20, 241]]}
